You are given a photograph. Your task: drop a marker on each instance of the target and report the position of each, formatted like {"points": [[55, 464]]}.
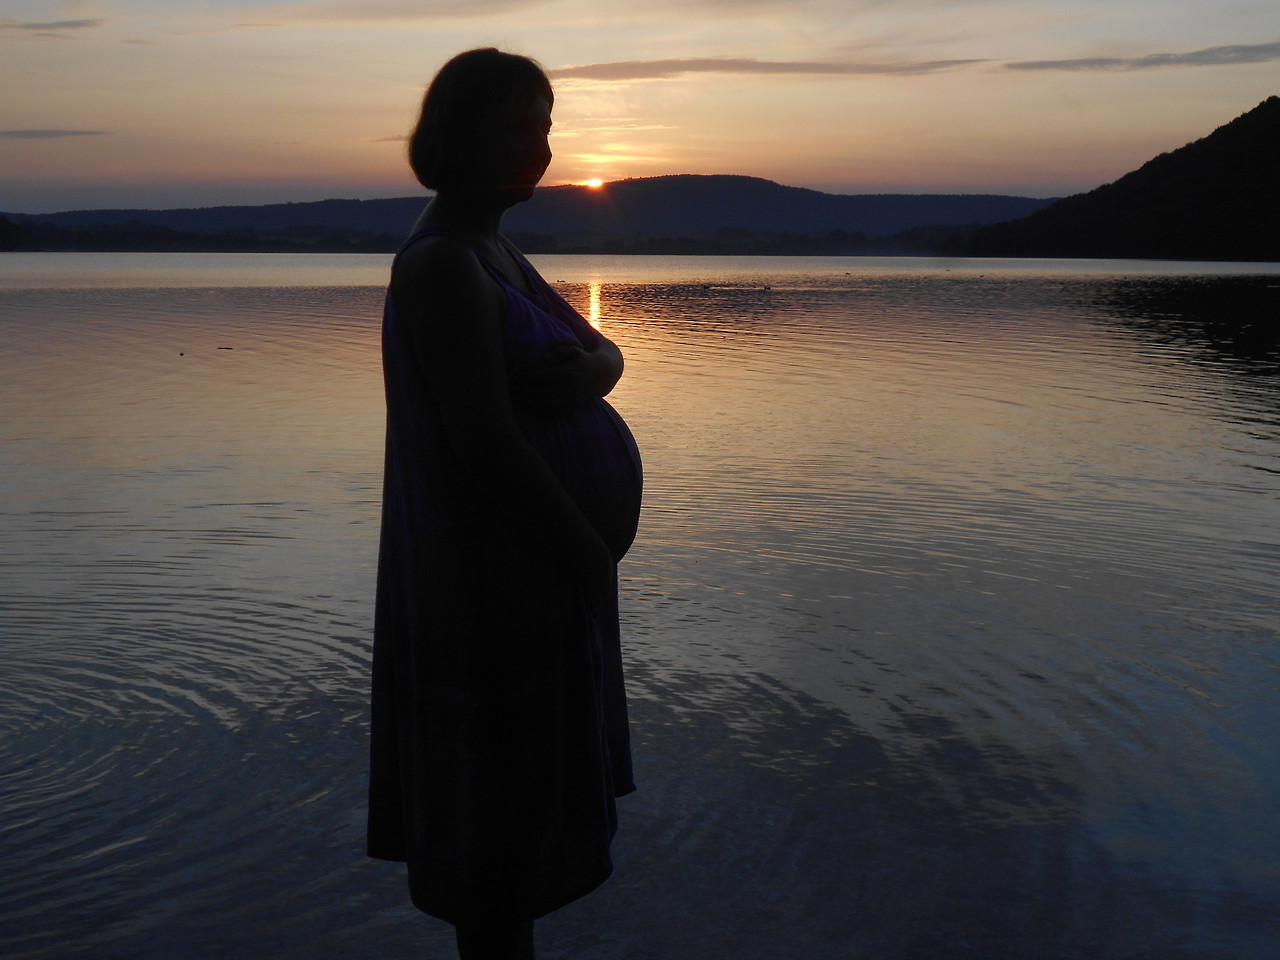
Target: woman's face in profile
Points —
{"points": [[512, 149]]}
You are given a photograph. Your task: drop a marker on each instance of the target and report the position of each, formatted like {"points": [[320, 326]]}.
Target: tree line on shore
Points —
{"points": [[33, 235]]}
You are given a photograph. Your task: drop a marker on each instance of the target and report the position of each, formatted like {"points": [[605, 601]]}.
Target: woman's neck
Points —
{"points": [[474, 217]]}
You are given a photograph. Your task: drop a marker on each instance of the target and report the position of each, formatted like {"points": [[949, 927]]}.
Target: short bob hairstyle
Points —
{"points": [[468, 88]]}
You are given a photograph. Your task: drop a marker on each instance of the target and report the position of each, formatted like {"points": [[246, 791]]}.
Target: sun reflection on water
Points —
{"points": [[593, 303]]}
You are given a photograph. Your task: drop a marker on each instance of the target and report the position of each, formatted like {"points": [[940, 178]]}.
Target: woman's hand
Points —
{"points": [[567, 376]]}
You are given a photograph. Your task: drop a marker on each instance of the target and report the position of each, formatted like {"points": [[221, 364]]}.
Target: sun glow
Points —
{"points": [[595, 183]]}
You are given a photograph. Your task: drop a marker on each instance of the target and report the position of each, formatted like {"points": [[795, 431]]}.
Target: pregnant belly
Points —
{"points": [[595, 456]]}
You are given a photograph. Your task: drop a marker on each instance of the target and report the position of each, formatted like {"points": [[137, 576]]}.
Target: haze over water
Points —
{"points": [[951, 626]]}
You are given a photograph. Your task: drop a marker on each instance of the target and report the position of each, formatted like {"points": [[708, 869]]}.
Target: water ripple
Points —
{"points": [[985, 562]]}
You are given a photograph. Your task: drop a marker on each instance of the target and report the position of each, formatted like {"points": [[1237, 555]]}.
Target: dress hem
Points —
{"points": [[425, 903]]}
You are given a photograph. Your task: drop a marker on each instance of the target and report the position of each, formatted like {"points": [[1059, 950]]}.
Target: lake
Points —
{"points": [[951, 629]]}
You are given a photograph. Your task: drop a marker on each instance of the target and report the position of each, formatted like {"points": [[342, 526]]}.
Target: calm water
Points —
{"points": [[951, 628]]}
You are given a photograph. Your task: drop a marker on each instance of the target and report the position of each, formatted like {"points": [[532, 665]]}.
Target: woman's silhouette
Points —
{"points": [[499, 726]]}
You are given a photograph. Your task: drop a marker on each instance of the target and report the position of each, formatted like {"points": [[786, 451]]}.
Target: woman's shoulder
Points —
{"points": [[436, 253], [437, 270]]}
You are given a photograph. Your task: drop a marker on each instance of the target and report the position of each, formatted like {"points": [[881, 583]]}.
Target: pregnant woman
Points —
{"points": [[512, 489]]}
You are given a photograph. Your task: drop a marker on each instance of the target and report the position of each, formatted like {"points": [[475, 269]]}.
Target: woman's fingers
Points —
{"points": [[562, 378]]}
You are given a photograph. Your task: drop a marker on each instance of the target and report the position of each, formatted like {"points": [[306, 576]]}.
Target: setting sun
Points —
{"points": [[595, 183]]}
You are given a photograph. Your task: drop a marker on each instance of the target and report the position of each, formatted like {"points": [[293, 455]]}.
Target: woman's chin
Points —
{"points": [[505, 195], [518, 192]]}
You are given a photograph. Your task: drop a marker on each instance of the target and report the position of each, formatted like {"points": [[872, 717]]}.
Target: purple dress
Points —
{"points": [[499, 724]]}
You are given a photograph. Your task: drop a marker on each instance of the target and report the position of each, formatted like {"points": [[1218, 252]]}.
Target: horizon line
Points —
{"points": [[583, 185]]}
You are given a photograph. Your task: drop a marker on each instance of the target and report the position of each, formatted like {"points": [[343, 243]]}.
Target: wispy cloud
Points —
{"points": [[593, 127], [666, 69], [1208, 57], [375, 10], [46, 134], [51, 28], [663, 69], [229, 28]]}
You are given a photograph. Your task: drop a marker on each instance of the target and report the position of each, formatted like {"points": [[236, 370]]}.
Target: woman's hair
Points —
{"points": [[469, 88]]}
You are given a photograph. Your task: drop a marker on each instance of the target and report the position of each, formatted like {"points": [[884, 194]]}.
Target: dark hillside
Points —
{"points": [[1217, 198]]}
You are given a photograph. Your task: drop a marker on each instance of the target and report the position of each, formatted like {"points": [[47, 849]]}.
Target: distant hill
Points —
{"points": [[723, 212], [706, 206], [1217, 198]]}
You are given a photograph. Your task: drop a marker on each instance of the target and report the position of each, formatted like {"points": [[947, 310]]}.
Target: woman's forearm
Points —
{"points": [[513, 477]]}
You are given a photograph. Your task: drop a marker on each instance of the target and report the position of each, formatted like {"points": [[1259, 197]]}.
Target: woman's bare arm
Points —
{"points": [[454, 315], [569, 375]]}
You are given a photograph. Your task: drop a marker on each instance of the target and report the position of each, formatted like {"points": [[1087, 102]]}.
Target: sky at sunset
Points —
{"points": [[166, 103]]}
